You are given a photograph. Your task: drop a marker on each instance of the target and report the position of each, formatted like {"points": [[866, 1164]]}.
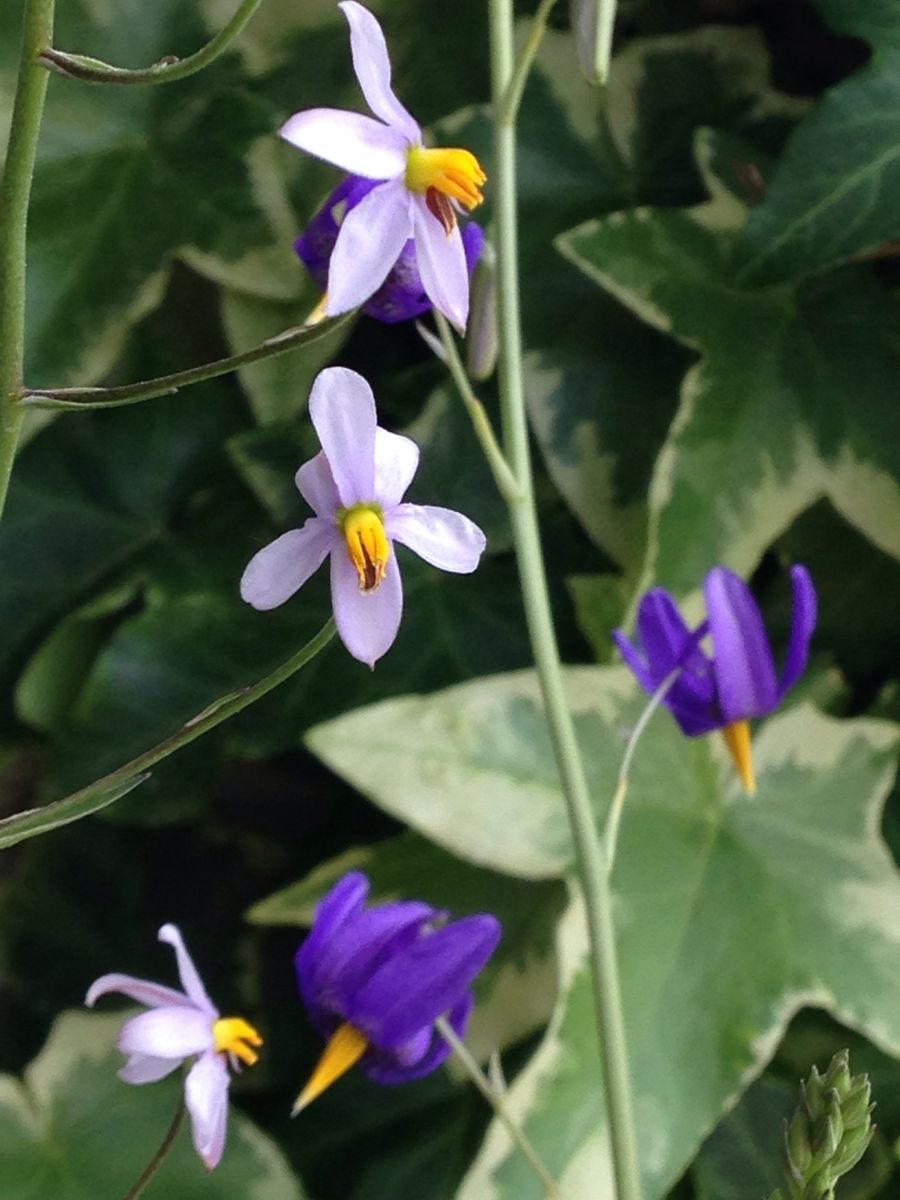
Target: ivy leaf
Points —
{"points": [[798, 873]]}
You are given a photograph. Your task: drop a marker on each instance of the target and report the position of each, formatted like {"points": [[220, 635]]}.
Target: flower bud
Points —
{"points": [[481, 331]]}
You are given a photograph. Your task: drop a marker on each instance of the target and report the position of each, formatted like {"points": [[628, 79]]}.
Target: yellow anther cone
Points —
{"points": [[345, 1048], [234, 1035], [737, 739]]}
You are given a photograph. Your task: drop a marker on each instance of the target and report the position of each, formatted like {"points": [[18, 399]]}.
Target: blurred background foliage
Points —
{"points": [[712, 349]]}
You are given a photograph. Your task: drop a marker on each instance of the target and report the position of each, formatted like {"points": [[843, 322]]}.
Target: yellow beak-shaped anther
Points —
{"points": [[234, 1035], [737, 739], [454, 173], [345, 1048], [367, 544]]}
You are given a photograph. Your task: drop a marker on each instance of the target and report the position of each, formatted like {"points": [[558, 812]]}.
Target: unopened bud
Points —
{"points": [[481, 331]]}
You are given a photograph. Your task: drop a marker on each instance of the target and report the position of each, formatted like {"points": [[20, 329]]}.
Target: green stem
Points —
{"points": [[77, 398], [79, 803], [160, 1156], [496, 1101], [512, 98], [167, 70], [15, 192], [590, 858], [603, 36]]}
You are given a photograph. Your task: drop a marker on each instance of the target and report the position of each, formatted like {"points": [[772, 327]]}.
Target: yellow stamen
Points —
{"points": [[345, 1048], [436, 174], [234, 1035], [317, 315], [737, 739], [367, 543]]}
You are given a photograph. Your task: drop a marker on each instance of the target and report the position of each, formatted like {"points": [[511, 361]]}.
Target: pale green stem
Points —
{"points": [[497, 1102], [481, 422], [83, 398], [15, 192], [603, 37], [611, 834], [512, 97], [160, 1156], [167, 70], [589, 853]]}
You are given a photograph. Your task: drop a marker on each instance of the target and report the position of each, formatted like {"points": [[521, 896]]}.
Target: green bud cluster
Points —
{"points": [[829, 1132]]}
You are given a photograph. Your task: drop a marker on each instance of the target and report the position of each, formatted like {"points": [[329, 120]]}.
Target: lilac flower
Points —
{"points": [[355, 487], [402, 296], [178, 1026], [374, 981], [738, 680], [418, 193]]}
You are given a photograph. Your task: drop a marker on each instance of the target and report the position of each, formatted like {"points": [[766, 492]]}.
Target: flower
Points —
{"points": [[355, 486], [418, 194], [375, 980], [401, 297], [178, 1026], [738, 680]]}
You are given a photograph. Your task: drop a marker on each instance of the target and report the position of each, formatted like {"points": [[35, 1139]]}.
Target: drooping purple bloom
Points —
{"points": [[418, 190], [355, 487], [177, 1026], [375, 980], [402, 296]]}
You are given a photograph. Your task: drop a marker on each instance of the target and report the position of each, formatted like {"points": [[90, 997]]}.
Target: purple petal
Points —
{"points": [[444, 538], [427, 979], [335, 908], [167, 1033], [442, 265], [342, 409], [206, 1096], [633, 660], [396, 460], [745, 673], [664, 637], [373, 70], [352, 141], [804, 622], [154, 995], [141, 1068], [407, 1063], [274, 573], [366, 621], [368, 245], [187, 972], [316, 485]]}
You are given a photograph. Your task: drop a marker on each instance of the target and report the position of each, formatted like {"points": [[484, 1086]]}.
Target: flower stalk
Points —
{"points": [[161, 1154], [15, 193]]}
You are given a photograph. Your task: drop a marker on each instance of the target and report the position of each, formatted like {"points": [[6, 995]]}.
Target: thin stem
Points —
{"points": [[603, 36], [589, 854], [496, 1101], [162, 1153], [77, 398], [512, 97], [167, 70], [15, 193], [481, 422]]}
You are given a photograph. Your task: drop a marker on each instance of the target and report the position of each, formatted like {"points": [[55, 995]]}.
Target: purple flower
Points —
{"points": [[738, 680], [355, 486], [418, 192], [402, 296], [375, 980], [177, 1026]]}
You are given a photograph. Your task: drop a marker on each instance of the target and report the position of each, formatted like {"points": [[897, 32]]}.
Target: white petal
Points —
{"points": [[442, 265], [190, 978], [366, 621], [154, 995], [373, 70], [396, 460], [352, 141], [342, 409], [167, 1033], [274, 573], [444, 538], [368, 245], [206, 1096], [141, 1068], [316, 485]]}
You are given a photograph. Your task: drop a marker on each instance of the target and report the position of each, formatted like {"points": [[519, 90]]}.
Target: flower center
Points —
{"points": [[234, 1035], [444, 175], [367, 543]]}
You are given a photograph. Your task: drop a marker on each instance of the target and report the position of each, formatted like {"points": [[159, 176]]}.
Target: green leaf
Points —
{"points": [[832, 195], [791, 398], [74, 1131], [797, 875], [878, 21], [742, 1158]]}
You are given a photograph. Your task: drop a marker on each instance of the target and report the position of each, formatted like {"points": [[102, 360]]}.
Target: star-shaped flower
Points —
{"points": [[355, 487], [418, 194]]}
